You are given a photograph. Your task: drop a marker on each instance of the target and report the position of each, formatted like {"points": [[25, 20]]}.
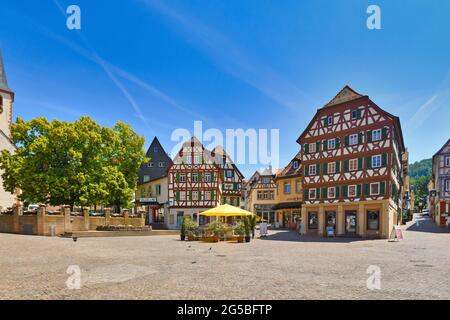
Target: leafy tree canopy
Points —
{"points": [[79, 163]]}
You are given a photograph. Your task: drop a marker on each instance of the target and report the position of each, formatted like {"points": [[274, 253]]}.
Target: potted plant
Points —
{"points": [[253, 225], [239, 230], [248, 231], [189, 228], [212, 231]]}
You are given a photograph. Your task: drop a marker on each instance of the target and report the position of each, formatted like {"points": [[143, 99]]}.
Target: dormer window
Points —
{"points": [[295, 164], [155, 149]]}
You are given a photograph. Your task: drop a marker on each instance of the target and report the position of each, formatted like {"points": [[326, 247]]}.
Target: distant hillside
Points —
{"points": [[420, 168]]}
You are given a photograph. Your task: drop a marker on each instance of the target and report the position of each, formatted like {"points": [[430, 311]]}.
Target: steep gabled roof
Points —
{"points": [[345, 95], [157, 154], [443, 147], [193, 141], [289, 170], [221, 158], [3, 80]]}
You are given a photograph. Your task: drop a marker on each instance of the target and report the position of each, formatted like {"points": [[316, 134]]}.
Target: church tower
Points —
{"points": [[7, 200]]}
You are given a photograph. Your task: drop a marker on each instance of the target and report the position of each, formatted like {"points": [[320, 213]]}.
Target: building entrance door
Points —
{"points": [[350, 222], [330, 221]]}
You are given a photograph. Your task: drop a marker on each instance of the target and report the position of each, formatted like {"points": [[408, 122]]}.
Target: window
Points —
{"points": [[373, 220], [229, 173], [183, 195], [352, 191], [266, 180], [188, 160], [158, 189], [182, 177], [331, 143], [197, 159], [447, 161], [375, 189], [331, 167], [298, 185], [161, 164], [146, 178], [355, 114], [208, 177], [312, 194], [296, 164], [207, 195], [150, 164], [172, 219], [332, 192], [155, 149], [266, 194], [376, 161], [313, 221], [353, 139], [271, 195], [312, 170], [329, 120], [194, 195], [376, 135], [195, 177], [312, 148], [447, 185], [353, 164], [287, 187], [259, 196]]}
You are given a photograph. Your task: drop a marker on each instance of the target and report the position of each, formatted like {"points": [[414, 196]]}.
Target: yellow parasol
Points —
{"points": [[226, 210]]}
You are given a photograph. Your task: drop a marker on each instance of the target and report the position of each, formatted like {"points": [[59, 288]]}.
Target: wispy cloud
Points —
{"points": [[233, 60]]}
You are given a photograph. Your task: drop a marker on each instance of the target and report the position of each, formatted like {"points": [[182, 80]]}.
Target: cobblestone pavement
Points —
{"points": [[284, 266]]}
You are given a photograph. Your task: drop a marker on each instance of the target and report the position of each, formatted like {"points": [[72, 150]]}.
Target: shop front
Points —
{"points": [[288, 215], [154, 211]]}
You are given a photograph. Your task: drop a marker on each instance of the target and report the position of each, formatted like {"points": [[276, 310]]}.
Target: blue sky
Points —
{"points": [[160, 65]]}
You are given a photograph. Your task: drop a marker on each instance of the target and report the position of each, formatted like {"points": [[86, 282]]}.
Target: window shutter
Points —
{"points": [[338, 166], [190, 195], [383, 160], [324, 192], [212, 176], [317, 169], [306, 147], [318, 146], [382, 187], [306, 194], [369, 163], [367, 189], [318, 193], [347, 140], [360, 163], [212, 194], [358, 190], [360, 137], [177, 177], [224, 200], [238, 200], [345, 191], [338, 142], [306, 171], [325, 168], [384, 133], [324, 122], [199, 176], [177, 195], [338, 191], [345, 165], [325, 145], [369, 135], [200, 195]]}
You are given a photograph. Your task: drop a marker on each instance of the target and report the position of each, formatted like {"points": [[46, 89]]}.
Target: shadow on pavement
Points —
{"points": [[426, 224], [286, 235]]}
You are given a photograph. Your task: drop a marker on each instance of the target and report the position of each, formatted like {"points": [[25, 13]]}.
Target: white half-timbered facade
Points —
{"points": [[441, 180]]}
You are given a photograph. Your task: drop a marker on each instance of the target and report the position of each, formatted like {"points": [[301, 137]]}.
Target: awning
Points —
{"points": [[287, 205], [226, 210]]}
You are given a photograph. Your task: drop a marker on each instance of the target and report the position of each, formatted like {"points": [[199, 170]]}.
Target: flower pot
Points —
{"points": [[182, 237], [191, 237], [215, 238], [247, 238], [240, 239]]}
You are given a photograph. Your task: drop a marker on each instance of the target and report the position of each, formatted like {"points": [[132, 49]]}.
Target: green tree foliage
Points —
{"points": [[420, 173], [79, 163]]}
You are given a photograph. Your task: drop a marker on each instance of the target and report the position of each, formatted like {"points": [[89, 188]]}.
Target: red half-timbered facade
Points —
{"points": [[352, 168]]}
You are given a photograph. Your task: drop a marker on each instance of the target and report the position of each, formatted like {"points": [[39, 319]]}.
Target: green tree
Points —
{"points": [[79, 163]]}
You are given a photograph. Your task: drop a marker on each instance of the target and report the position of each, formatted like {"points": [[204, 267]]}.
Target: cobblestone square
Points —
{"points": [[283, 266]]}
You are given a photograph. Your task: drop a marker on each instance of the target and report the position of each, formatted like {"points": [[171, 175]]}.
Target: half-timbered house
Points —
{"points": [[194, 182], [260, 194], [441, 180], [352, 168]]}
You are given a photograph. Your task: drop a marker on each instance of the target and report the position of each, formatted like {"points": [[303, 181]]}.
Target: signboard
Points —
{"points": [[396, 233], [147, 200], [330, 231]]}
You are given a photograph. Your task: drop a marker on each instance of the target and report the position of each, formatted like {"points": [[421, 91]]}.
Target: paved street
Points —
{"points": [[284, 266]]}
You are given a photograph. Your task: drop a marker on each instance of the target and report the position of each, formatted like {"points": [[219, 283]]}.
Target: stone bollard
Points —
{"points": [[126, 217], [67, 220], [41, 221], [86, 219], [107, 216]]}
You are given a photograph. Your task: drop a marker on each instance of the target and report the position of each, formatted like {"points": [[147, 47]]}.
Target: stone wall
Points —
{"points": [[44, 224]]}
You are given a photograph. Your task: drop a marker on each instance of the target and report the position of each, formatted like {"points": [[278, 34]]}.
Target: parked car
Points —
{"points": [[33, 207], [425, 212]]}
